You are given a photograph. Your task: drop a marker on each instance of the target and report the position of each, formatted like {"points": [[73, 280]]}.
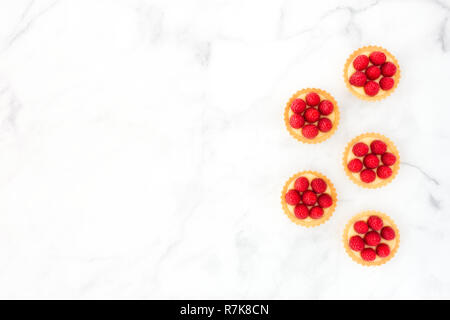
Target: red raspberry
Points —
{"points": [[296, 121], [318, 185], [388, 158], [375, 222], [371, 88], [360, 149], [372, 238], [378, 147], [384, 172], [368, 254], [355, 165], [373, 72], [326, 107], [383, 250], [388, 233], [312, 99], [310, 131], [371, 161], [316, 213], [312, 115], [361, 62], [309, 198], [367, 175], [377, 58], [360, 227], [325, 124], [298, 106], [301, 184], [356, 243], [388, 69], [292, 197], [358, 79], [386, 83], [325, 200], [301, 211]]}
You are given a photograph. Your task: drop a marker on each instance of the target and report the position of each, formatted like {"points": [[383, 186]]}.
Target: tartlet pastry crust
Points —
{"points": [[356, 255], [322, 136], [355, 176], [381, 94], [309, 222]]}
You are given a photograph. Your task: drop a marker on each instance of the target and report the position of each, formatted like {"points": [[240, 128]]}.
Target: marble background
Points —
{"points": [[143, 149]]}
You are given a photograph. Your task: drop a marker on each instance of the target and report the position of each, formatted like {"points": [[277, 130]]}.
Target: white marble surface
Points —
{"points": [[143, 152]]}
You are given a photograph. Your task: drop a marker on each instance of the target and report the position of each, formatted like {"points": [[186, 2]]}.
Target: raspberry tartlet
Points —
{"points": [[371, 160], [371, 238], [311, 115], [371, 73], [308, 198]]}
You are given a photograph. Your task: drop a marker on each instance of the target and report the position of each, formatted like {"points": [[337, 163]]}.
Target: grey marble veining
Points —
{"points": [[143, 149]]}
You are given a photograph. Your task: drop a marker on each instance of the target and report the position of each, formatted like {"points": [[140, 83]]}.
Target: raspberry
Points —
{"points": [[355, 165], [301, 184], [312, 99], [301, 211], [326, 107], [356, 243], [360, 149], [388, 233], [372, 238], [296, 121], [325, 200], [292, 197], [384, 172], [318, 185], [373, 72], [377, 58], [310, 131], [367, 175], [388, 158], [358, 79], [325, 125], [368, 254], [360, 227], [309, 198], [386, 83], [316, 213], [298, 106], [371, 161], [378, 147], [375, 223], [312, 115], [383, 250], [371, 88], [388, 69], [361, 62]]}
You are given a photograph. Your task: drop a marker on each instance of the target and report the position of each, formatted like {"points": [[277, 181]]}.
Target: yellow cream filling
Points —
{"points": [[352, 70], [351, 156], [310, 177], [331, 116], [391, 243]]}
